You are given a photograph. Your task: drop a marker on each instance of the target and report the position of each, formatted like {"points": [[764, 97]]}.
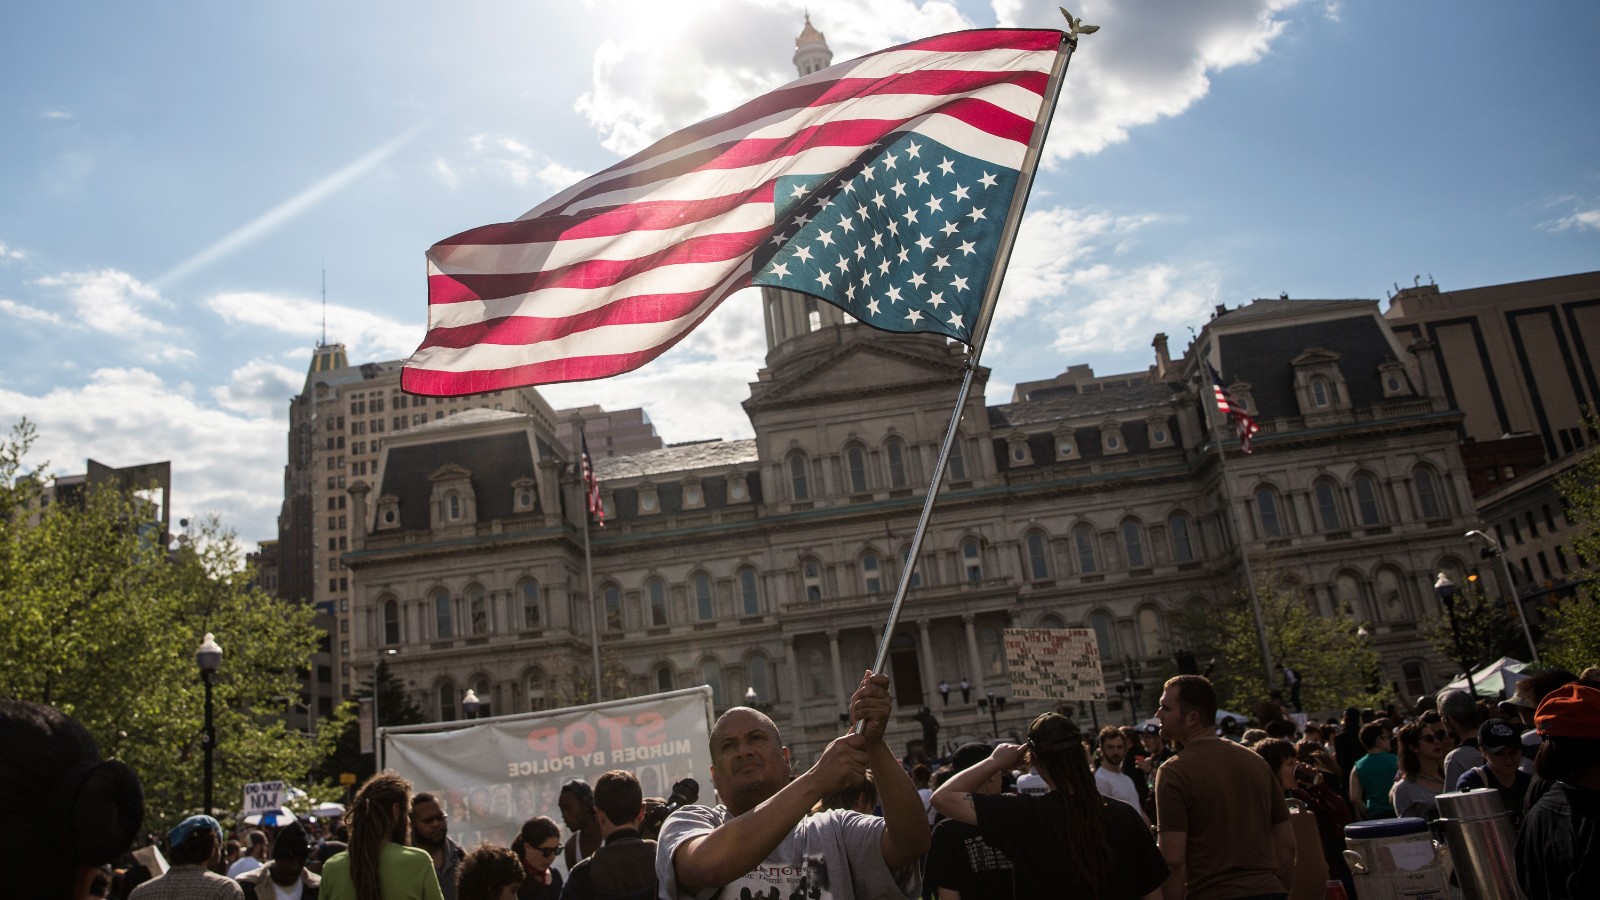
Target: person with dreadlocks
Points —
{"points": [[1033, 831], [379, 865]]}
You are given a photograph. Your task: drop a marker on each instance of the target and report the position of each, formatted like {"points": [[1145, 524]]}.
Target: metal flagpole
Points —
{"points": [[980, 331], [585, 472], [1239, 534]]}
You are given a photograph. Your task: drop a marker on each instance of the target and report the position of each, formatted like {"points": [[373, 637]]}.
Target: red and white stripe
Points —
{"points": [[610, 273]]}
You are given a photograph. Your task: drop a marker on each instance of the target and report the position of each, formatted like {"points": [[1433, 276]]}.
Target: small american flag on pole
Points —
{"points": [[1243, 424], [591, 484], [880, 185]]}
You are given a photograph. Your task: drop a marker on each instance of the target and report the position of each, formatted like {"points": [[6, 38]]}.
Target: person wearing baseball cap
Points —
{"points": [[286, 875], [1501, 745], [1558, 849], [192, 845]]}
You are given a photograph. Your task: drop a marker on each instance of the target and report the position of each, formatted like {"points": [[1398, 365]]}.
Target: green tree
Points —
{"points": [[1338, 667], [1488, 630], [342, 745], [100, 620], [1573, 637]]}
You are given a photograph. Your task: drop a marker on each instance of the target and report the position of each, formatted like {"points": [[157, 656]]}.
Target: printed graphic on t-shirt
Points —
{"points": [[983, 858], [808, 881]]}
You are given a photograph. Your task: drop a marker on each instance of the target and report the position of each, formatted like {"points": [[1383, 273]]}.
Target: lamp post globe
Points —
{"points": [[1446, 589], [209, 659], [750, 696], [470, 704]]}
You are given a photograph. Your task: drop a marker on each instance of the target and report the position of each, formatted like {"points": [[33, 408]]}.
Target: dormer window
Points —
{"points": [[1017, 449], [649, 502], [524, 495], [1159, 433], [1066, 445], [388, 513], [1319, 392], [453, 499], [738, 489], [1319, 384], [1395, 382], [693, 496], [1111, 440], [453, 503]]}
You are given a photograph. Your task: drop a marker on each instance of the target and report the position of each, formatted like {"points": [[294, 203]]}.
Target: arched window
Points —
{"points": [[656, 590], [896, 453], [702, 597], [1133, 544], [871, 576], [1267, 512], [443, 622], [533, 687], [454, 501], [480, 686], [1391, 597], [1319, 392], [711, 677], [391, 621], [447, 700], [761, 678], [855, 461], [956, 465], [664, 677], [1182, 544], [905, 560], [1415, 674], [1051, 620], [798, 483], [478, 609], [1347, 596], [1038, 550], [992, 651], [972, 560], [613, 602], [811, 578], [1105, 634], [1149, 622], [1327, 505], [1367, 509], [749, 592], [817, 684], [1427, 492], [1083, 542], [532, 613]]}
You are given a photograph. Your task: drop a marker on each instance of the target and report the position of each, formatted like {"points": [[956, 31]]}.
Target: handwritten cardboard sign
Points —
{"points": [[1054, 663], [263, 796]]}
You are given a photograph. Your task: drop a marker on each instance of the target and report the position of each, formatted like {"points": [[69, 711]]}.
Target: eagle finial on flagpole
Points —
{"points": [[1076, 27]]}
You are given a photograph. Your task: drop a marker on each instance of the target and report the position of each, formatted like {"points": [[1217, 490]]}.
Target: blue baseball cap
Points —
{"points": [[189, 826]]}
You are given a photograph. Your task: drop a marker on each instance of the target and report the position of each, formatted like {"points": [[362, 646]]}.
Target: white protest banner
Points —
{"points": [[1054, 663], [492, 775], [263, 796]]}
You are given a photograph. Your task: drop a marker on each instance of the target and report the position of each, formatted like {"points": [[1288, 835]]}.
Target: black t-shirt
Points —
{"points": [[962, 861], [1032, 833]]}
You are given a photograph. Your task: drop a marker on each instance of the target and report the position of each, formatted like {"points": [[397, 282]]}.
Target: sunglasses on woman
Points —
{"points": [[549, 851]]}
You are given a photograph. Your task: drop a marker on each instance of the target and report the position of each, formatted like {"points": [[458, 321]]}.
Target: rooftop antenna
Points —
{"points": [[324, 306]]}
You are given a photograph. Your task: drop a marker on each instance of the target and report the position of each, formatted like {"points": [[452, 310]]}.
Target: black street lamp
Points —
{"points": [[209, 659], [1446, 589], [1130, 688], [995, 706]]}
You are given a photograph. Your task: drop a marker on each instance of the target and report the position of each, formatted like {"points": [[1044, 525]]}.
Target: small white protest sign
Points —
{"points": [[263, 796]]}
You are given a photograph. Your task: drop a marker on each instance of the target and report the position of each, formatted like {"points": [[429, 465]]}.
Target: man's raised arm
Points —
{"points": [[906, 834]]}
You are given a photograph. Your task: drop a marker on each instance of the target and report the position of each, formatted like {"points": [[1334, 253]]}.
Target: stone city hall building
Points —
{"points": [[768, 565]]}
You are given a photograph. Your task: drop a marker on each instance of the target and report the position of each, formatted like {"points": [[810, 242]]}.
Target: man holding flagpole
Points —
{"points": [[763, 838]]}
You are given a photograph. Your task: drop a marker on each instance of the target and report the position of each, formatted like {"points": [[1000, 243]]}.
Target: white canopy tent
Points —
{"points": [[1497, 679]]}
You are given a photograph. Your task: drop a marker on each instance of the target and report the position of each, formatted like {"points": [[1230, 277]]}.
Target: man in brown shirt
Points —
{"points": [[1221, 820]]}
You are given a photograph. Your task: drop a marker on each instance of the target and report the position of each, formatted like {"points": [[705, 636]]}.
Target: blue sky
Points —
{"points": [[174, 177]]}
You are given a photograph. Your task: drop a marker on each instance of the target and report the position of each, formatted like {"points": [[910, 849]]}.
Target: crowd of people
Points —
{"points": [[1178, 807]]}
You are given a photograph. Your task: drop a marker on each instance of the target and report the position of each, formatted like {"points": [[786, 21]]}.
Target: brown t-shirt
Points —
{"points": [[1226, 799]]}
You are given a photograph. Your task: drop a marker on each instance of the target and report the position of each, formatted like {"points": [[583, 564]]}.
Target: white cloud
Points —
{"points": [[111, 301], [446, 173], [1066, 279], [259, 388], [1582, 220], [55, 114], [222, 462], [10, 254], [1150, 60], [558, 177], [505, 158], [366, 335], [29, 313]]}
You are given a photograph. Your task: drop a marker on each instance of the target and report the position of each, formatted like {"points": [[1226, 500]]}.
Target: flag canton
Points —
{"points": [[904, 239]]}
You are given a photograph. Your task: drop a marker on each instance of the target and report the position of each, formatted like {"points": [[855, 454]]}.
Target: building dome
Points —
{"points": [[811, 53]]}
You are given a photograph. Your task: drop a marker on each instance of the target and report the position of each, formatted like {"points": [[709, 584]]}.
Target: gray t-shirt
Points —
{"points": [[1459, 761], [831, 855]]}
